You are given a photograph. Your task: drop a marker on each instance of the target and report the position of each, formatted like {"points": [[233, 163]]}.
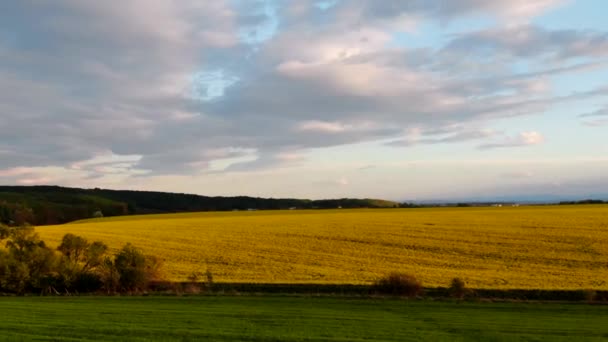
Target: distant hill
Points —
{"points": [[523, 199], [42, 205]]}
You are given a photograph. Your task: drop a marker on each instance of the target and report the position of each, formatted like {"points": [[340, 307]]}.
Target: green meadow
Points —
{"points": [[276, 318]]}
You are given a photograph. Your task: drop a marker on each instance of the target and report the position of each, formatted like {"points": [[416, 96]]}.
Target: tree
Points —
{"points": [[5, 231], [14, 275], [130, 264], [27, 263], [95, 255], [5, 213], [457, 288], [109, 276], [79, 263], [135, 269], [23, 241], [79, 251], [73, 247]]}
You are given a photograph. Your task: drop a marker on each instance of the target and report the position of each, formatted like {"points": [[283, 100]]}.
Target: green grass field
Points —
{"points": [[293, 319]]}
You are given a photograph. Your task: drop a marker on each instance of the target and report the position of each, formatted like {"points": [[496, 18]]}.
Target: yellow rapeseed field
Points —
{"points": [[548, 247]]}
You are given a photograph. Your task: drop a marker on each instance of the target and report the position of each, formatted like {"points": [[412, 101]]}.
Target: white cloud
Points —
{"points": [[334, 127], [343, 181], [529, 138], [383, 12], [449, 134], [322, 126]]}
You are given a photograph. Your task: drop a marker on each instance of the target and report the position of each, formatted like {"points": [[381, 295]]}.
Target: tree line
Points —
{"points": [[587, 201], [44, 205], [29, 265]]}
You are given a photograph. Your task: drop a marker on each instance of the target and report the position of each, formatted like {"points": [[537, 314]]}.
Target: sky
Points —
{"points": [[401, 100]]}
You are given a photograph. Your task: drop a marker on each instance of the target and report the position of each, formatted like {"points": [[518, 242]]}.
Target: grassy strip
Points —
{"points": [[272, 318]]}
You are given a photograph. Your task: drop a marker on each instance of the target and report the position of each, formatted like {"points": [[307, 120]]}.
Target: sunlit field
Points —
{"points": [[544, 247]]}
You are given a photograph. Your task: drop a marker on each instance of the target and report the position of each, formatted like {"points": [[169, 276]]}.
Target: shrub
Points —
{"points": [[209, 276], [87, 282], [134, 269], [457, 288], [399, 284], [154, 267], [73, 247], [589, 295], [130, 264], [79, 266], [109, 276], [28, 265]]}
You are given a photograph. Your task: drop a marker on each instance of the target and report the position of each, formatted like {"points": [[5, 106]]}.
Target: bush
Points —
{"points": [[589, 295], [134, 269], [130, 264], [109, 276], [399, 284], [457, 288], [87, 282], [28, 265], [209, 276]]}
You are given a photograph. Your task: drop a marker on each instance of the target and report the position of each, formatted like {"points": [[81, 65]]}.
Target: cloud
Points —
{"points": [[418, 137], [395, 11], [523, 139], [17, 171], [111, 79], [598, 113], [343, 181], [340, 182], [527, 41], [366, 167], [319, 126], [596, 118], [322, 126], [102, 167], [191, 87], [596, 123], [518, 175], [275, 160]]}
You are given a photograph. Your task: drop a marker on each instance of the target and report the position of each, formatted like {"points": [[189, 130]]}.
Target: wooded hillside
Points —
{"points": [[42, 205]]}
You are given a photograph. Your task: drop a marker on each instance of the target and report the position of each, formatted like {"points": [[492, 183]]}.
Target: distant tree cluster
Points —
{"points": [[28, 265], [409, 205], [17, 209], [588, 201]]}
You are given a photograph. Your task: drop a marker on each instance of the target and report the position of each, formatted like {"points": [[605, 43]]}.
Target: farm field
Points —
{"points": [[544, 247], [293, 319]]}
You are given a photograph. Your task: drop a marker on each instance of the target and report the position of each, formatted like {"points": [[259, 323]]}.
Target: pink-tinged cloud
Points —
{"points": [[17, 171], [34, 181], [322, 126], [529, 138]]}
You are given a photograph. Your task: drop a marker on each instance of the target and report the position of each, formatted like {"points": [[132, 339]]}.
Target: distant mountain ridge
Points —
{"points": [[42, 205]]}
